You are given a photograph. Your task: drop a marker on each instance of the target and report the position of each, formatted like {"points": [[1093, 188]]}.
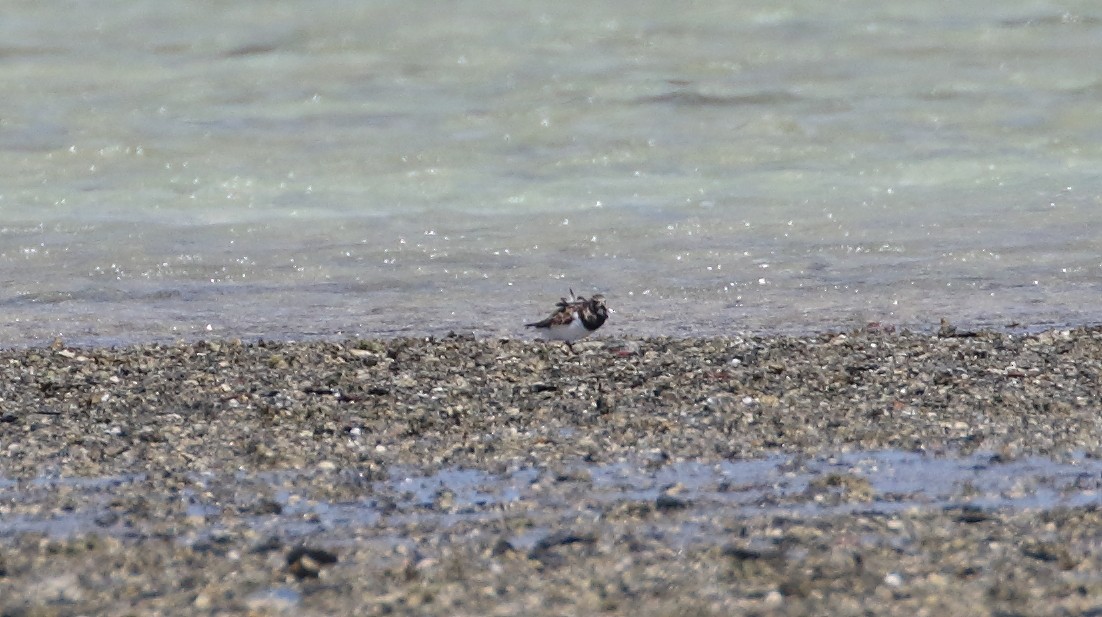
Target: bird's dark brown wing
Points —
{"points": [[561, 317]]}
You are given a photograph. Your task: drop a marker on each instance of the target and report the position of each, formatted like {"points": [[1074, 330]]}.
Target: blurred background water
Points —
{"points": [[293, 168]]}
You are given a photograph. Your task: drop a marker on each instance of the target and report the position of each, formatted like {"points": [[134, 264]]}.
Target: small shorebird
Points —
{"points": [[573, 319]]}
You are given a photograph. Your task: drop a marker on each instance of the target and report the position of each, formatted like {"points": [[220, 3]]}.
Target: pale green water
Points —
{"points": [[289, 169]]}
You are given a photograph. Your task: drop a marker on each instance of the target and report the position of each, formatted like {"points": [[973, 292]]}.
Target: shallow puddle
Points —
{"points": [[704, 496]]}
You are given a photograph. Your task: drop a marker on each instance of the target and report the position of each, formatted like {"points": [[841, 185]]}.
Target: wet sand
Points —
{"points": [[873, 471]]}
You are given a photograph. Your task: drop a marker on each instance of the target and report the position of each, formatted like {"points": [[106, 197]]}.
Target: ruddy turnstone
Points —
{"points": [[573, 319]]}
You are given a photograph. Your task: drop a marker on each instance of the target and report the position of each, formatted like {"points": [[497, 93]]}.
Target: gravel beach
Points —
{"points": [[453, 476]]}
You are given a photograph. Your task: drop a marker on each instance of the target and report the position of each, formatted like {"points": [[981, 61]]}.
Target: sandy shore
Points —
{"points": [[456, 476]]}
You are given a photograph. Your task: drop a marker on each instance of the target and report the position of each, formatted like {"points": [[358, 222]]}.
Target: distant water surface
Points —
{"points": [[293, 169]]}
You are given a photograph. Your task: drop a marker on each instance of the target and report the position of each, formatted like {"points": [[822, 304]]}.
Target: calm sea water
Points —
{"points": [[300, 168]]}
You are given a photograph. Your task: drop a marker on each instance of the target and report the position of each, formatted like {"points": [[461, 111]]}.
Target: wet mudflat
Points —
{"points": [[897, 473]]}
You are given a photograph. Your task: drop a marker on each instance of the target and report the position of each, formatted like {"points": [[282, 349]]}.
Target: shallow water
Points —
{"points": [[295, 169], [778, 485]]}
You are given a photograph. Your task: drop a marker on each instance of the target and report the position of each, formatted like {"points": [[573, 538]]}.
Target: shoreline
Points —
{"points": [[273, 477]]}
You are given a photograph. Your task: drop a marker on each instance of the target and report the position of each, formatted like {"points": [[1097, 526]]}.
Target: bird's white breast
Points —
{"points": [[569, 332]]}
